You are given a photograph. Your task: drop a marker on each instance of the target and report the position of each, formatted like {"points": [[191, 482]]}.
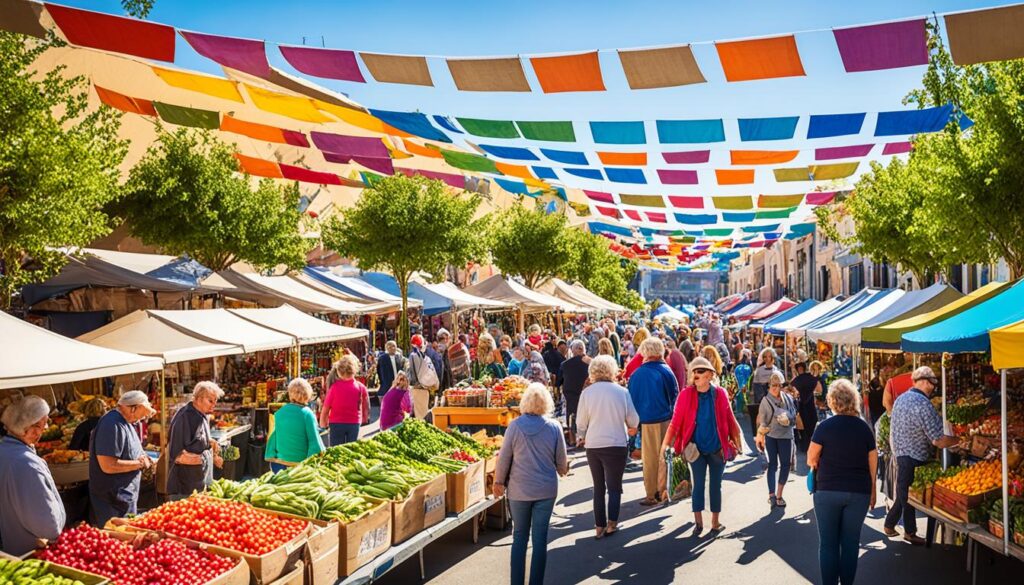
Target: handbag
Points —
{"points": [[812, 482], [690, 452]]}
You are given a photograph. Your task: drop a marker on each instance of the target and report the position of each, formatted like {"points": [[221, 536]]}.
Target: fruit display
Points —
{"points": [[966, 410], [512, 389], [470, 396], [163, 562], [926, 475], [230, 524], [976, 479], [295, 494], [65, 456], [31, 572]]}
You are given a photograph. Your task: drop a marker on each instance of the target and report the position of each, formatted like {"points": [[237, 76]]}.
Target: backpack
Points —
{"points": [[426, 375]]}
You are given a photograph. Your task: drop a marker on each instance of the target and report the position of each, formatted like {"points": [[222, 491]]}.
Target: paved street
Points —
{"points": [[759, 545]]}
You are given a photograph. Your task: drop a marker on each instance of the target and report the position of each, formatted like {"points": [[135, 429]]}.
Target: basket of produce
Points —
{"points": [[681, 487], [966, 410], [37, 572], [969, 488]]}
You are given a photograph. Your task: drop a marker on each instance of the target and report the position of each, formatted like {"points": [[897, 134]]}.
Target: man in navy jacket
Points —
{"points": [[653, 388]]}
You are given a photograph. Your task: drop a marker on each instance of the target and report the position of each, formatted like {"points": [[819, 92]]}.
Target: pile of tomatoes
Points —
{"points": [[233, 525], [164, 562], [461, 455]]}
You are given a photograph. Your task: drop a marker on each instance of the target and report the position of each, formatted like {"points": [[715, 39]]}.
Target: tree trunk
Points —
{"points": [[403, 318]]}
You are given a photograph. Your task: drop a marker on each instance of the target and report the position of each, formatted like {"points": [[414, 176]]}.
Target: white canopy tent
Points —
{"points": [[502, 288], [804, 318], [838, 330], [34, 356], [144, 333], [226, 327], [303, 295], [462, 300], [305, 328], [577, 294]]}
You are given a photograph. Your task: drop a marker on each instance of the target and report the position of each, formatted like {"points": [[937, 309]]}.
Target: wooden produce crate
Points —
{"points": [[320, 554], [364, 539], [958, 505], [923, 496], [465, 488], [294, 577], [238, 575], [995, 527], [423, 508], [85, 578], [491, 464]]}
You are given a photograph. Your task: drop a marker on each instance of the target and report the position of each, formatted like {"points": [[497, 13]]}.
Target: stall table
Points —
{"points": [[449, 416]]}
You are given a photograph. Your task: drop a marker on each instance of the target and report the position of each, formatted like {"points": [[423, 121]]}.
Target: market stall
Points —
{"points": [[772, 309], [578, 295], [304, 296], [502, 288]]}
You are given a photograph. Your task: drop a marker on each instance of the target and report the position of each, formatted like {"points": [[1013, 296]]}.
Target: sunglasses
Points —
{"points": [[702, 371]]}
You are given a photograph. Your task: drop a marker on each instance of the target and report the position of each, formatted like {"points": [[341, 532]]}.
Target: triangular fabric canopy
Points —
{"points": [[850, 305], [225, 327], [968, 330], [578, 295], [145, 334], [462, 300], [913, 303], [1007, 346], [784, 326], [433, 303], [34, 356], [307, 329], [772, 309], [301, 295], [502, 288], [355, 287], [889, 335], [747, 310], [789, 313]]}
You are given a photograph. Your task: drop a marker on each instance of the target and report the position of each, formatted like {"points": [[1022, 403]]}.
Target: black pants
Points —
{"points": [[752, 413], [572, 404], [607, 465], [808, 416], [905, 467]]}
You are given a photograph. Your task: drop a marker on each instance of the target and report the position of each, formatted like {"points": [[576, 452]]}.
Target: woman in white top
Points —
{"points": [[604, 420]]}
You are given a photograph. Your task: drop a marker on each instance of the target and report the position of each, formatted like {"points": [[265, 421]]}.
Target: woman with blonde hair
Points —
{"points": [[487, 364], [759, 384], [532, 457], [347, 405], [605, 347], [844, 460], [295, 435], [711, 354], [638, 359]]}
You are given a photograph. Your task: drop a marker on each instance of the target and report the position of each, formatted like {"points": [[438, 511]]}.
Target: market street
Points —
{"points": [[655, 544]]}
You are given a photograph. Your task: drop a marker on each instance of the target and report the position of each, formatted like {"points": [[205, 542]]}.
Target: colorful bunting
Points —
{"points": [[428, 151], [116, 34], [379, 164], [125, 103], [547, 131], [677, 177], [653, 68], [980, 36], [565, 73], [821, 197], [690, 131], [817, 172], [489, 128], [642, 200], [760, 229], [628, 159], [733, 203], [657, 217], [633, 214], [829, 125], [779, 201], [609, 211], [360, 119], [469, 162], [687, 158], [297, 108], [566, 156], [762, 157], [686, 202], [734, 217], [544, 173], [408, 70], [304, 175], [698, 219], [883, 46], [509, 152], [414, 123], [760, 58], [457, 181], [500, 74], [246, 55], [633, 176], [734, 176], [258, 167], [753, 129], [898, 148], [324, 63], [775, 213], [837, 152], [515, 187], [192, 117], [212, 86], [263, 132], [446, 123], [350, 145], [593, 174], [913, 121], [618, 132], [520, 171], [599, 196]]}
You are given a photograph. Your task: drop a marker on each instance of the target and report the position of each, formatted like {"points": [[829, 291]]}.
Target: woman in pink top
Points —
{"points": [[347, 405]]}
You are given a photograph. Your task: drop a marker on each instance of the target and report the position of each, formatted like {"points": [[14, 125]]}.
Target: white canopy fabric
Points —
{"points": [[462, 300], [226, 327], [366, 295], [578, 295], [143, 333], [804, 318], [847, 329], [306, 328], [502, 288], [749, 310], [33, 356], [300, 294], [673, 313]]}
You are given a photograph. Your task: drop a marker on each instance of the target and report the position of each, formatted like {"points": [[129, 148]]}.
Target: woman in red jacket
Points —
{"points": [[704, 418]]}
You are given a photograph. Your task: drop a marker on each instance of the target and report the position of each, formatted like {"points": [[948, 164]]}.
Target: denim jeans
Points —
{"points": [[607, 465], [840, 516], [342, 433], [277, 467], [905, 467], [698, 470], [780, 453], [530, 520]]}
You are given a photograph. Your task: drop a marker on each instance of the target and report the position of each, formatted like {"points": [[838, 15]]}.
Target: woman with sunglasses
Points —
{"points": [[704, 419], [776, 419]]}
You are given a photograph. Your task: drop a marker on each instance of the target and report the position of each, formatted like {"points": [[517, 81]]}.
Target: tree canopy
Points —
{"points": [[58, 165], [408, 224], [186, 197], [529, 243], [592, 263]]}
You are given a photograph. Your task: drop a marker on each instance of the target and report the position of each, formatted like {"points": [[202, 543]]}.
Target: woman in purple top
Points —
{"points": [[396, 403]]}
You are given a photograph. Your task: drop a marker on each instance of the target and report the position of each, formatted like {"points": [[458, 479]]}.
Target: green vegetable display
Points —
{"points": [[424, 440], [680, 471], [31, 572], [964, 414], [927, 475]]}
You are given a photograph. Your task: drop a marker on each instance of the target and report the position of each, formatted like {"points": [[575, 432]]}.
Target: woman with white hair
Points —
{"points": [[759, 384], [844, 458], [776, 420], [532, 457], [192, 451], [295, 435], [605, 419], [32, 508]]}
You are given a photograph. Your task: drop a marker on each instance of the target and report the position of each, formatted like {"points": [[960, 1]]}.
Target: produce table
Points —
{"points": [[449, 416], [975, 534], [395, 555]]}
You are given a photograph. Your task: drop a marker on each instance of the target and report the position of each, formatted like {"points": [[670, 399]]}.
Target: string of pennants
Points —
{"points": [[974, 37]]}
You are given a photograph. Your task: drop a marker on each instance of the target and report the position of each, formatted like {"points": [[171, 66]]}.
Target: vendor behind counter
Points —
{"points": [[92, 410]]}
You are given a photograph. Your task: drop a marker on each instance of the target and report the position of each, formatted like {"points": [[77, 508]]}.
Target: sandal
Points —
{"points": [[718, 529], [649, 502], [780, 502], [698, 529], [600, 532], [612, 528], [773, 501]]}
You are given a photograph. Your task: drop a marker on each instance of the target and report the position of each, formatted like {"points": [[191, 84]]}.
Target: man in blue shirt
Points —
{"points": [[116, 459], [653, 389], [914, 429]]}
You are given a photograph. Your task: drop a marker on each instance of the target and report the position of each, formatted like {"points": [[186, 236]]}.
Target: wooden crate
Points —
{"points": [[364, 539], [423, 508], [294, 577], [465, 488], [958, 505], [995, 527], [75, 574]]}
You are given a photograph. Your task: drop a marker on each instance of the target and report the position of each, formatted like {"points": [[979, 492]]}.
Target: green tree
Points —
{"points": [[592, 263], [529, 243], [58, 165], [408, 224], [137, 8], [186, 197]]}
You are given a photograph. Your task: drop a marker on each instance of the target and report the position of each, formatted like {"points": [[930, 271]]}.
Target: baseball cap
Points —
{"points": [[417, 340]]}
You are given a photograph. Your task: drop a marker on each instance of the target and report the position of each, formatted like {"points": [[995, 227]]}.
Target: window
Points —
{"points": [[856, 278]]}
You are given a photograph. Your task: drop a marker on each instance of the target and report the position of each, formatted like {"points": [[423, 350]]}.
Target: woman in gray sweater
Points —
{"points": [[605, 418], [776, 419], [531, 459]]}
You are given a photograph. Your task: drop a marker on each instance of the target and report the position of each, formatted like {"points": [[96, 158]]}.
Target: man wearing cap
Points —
{"points": [[915, 428], [423, 380], [116, 459], [192, 452]]}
